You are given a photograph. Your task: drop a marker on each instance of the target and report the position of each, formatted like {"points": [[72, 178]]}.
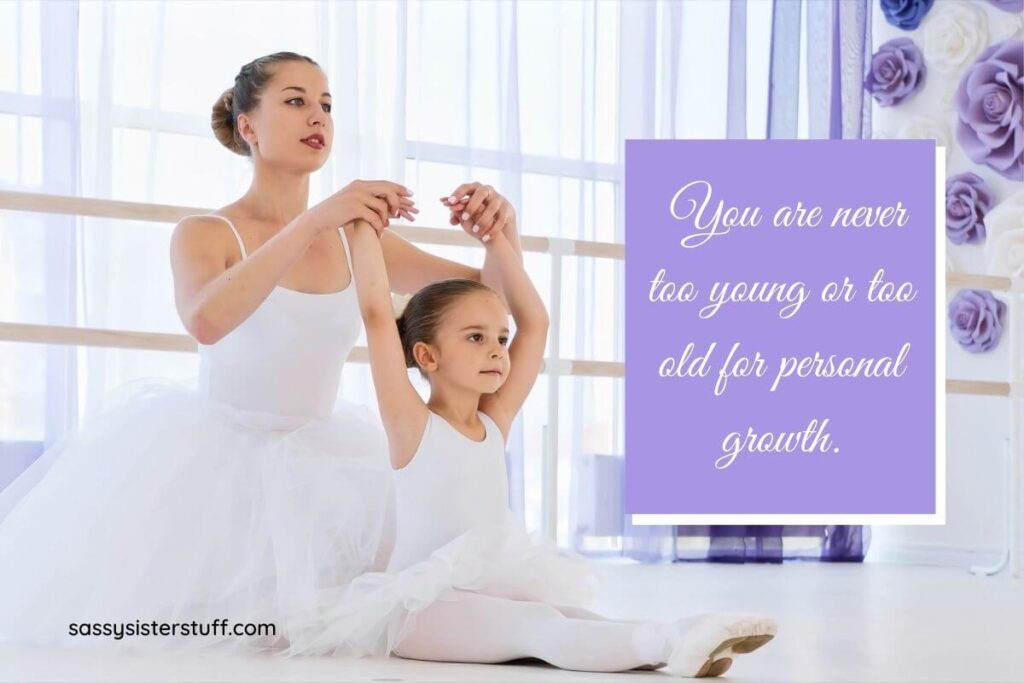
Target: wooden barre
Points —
{"points": [[182, 343], [166, 213], [994, 282], [977, 387]]}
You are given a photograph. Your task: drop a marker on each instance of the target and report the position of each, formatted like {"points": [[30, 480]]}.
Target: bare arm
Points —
{"points": [[483, 213], [213, 299], [489, 273], [410, 269], [526, 353], [401, 409]]}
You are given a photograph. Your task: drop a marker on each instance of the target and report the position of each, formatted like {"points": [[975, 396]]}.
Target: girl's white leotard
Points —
{"points": [[451, 484], [254, 499]]}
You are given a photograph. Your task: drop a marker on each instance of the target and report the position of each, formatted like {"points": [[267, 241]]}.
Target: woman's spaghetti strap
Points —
{"points": [[241, 244]]}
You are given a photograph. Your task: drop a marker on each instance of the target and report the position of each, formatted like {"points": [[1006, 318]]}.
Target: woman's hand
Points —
{"points": [[374, 201], [479, 209]]}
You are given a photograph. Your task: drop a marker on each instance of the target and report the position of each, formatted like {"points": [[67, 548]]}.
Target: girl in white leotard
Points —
{"points": [[465, 581]]}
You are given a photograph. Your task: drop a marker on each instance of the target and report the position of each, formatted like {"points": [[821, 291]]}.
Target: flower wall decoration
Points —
{"points": [[990, 109], [968, 199], [954, 35], [976, 320], [905, 14], [897, 72]]}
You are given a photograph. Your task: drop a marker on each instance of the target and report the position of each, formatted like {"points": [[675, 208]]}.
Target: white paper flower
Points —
{"points": [[399, 302], [1008, 26], [950, 262], [954, 35], [925, 128], [1007, 255], [1004, 225], [948, 98]]}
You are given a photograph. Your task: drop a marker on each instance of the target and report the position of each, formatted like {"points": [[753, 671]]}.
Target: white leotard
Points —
{"points": [[451, 484], [286, 357]]}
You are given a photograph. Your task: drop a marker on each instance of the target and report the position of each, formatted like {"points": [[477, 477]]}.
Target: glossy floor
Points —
{"points": [[837, 622]]}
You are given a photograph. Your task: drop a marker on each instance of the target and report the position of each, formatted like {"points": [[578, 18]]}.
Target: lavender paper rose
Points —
{"points": [[1009, 5], [897, 72], [968, 199], [990, 109], [976, 320], [905, 14]]}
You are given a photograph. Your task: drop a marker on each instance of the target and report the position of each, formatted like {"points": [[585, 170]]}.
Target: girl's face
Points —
{"points": [[470, 348], [294, 105]]}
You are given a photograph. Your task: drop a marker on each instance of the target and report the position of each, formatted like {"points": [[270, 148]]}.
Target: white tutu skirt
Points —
{"points": [[379, 609], [173, 508]]}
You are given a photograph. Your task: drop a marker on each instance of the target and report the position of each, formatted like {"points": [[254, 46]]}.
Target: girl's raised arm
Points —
{"points": [[526, 353], [402, 411]]}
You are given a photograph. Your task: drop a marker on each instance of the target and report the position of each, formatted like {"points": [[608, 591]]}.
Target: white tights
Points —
{"points": [[487, 629]]}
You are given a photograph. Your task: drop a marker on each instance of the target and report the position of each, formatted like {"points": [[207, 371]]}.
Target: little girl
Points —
{"points": [[465, 581]]}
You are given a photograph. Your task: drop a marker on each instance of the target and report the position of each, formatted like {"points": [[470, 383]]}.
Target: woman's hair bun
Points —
{"points": [[222, 120]]}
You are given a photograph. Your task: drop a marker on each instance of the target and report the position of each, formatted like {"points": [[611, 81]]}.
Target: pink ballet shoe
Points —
{"points": [[707, 648]]}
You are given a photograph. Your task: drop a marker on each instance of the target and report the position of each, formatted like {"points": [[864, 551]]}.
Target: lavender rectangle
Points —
{"points": [[884, 428]]}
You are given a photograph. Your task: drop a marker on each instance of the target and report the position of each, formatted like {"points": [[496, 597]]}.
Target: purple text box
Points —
{"points": [[884, 428]]}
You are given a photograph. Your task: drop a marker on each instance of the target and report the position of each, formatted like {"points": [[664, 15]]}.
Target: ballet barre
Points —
{"points": [[66, 335], [555, 366], [166, 213]]}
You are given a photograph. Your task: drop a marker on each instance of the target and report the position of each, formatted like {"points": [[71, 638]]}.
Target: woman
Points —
{"points": [[253, 500]]}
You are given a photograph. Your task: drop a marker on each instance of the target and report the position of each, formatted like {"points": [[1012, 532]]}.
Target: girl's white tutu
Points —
{"points": [[175, 508], [379, 609]]}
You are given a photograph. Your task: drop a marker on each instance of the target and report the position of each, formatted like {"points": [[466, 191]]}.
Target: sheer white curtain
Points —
{"points": [[535, 98]]}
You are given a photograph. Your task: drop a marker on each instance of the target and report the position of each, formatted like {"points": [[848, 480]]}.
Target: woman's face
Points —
{"points": [[295, 105]]}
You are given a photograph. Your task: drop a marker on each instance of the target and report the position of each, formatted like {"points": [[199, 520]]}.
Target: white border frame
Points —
{"points": [[933, 519]]}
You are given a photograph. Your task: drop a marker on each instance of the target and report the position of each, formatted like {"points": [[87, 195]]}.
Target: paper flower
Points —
{"points": [[924, 128], [954, 35], [968, 199], [976, 320], [1009, 5], [990, 109], [905, 14], [1006, 215], [897, 71], [1007, 256]]}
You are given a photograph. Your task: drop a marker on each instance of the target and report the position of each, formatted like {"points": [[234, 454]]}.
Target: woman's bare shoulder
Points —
{"points": [[208, 229], [206, 234]]}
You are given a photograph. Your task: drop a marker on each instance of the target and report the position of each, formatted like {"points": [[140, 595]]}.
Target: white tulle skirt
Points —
{"points": [[173, 508], [378, 609]]}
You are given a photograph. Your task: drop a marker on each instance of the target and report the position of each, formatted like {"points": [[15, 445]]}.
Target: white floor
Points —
{"points": [[837, 622]]}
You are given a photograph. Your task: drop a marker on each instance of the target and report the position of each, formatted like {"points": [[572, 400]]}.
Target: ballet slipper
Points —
{"points": [[707, 648]]}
